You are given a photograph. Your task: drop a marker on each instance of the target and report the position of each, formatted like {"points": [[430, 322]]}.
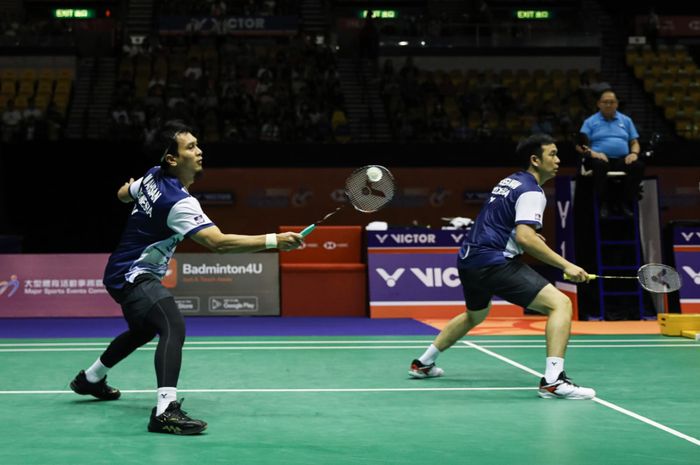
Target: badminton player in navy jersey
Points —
{"points": [[505, 228], [164, 213]]}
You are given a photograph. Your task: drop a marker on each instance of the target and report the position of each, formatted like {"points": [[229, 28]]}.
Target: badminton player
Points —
{"points": [[164, 214], [505, 228]]}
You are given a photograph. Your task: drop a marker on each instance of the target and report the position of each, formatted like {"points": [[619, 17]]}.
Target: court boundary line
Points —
{"points": [[531, 339], [289, 390], [152, 347], [596, 399]]}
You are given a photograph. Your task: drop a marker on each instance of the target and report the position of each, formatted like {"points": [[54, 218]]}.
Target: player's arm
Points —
{"points": [[531, 243], [634, 152], [123, 194], [213, 239]]}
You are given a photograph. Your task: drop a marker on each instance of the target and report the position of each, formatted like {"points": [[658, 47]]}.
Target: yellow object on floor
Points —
{"points": [[673, 324], [691, 334]]}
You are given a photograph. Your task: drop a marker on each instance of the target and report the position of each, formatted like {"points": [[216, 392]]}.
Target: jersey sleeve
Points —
{"points": [[586, 128], [134, 188], [632, 130], [529, 208], [186, 217]]}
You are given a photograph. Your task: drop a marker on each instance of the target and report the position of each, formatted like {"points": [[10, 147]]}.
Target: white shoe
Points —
{"points": [[420, 370], [564, 388]]}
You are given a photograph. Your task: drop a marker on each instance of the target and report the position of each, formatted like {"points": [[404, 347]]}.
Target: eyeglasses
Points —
{"points": [[608, 102]]}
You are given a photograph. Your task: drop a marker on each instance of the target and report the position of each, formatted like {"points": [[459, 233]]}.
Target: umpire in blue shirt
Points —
{"points": [[612, 146]]}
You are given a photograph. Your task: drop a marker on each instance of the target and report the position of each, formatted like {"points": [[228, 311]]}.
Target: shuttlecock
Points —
{"points": [[374, 174]]}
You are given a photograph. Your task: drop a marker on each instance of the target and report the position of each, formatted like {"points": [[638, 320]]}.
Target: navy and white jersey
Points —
{"points": [[517, 199], [164, 213]]}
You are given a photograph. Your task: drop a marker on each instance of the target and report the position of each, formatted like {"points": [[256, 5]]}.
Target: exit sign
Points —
{"points": [[379, 14], [73, 13], [533, 14]]}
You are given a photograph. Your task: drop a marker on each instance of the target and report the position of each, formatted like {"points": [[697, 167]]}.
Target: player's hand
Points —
{"points": [[631, 158], [575, 274], [289, 241], [129, 183]]}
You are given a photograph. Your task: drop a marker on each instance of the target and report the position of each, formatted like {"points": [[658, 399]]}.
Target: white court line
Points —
{"points": [[292, 390], [357, 342], [152, 347], [600, 401]]}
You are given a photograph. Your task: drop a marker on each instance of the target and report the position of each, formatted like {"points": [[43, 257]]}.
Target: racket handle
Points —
{"points": [[590, 276], [307, 230]]}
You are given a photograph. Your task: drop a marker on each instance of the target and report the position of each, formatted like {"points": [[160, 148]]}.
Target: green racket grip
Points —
{"points": [[590, 276], [307, 230]]}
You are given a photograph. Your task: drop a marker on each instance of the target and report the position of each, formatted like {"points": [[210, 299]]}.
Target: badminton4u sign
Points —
{"points": [[70, 285]]}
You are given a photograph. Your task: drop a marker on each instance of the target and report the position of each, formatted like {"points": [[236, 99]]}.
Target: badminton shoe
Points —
{"points": [[175, 421], [564, 388], [420, 370], [101, 390]]}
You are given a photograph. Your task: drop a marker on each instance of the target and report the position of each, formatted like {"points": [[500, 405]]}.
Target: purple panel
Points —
{"points": [[415, 237], [218, 326], [414, 277], [34, 285]]}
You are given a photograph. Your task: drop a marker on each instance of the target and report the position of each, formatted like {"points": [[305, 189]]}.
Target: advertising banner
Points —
{"points": [[686, 251], [70, 285], [413, 274], [235, 284], [230, 25], [66, 285]]}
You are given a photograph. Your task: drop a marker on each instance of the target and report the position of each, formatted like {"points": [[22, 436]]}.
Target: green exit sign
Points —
{"points": [[74, 13], [379, 14], [533, 14]]}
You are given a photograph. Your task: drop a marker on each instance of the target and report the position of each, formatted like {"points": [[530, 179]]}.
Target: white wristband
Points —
{"points": [[270, 241]]}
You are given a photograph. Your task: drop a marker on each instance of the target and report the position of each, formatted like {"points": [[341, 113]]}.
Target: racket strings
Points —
{"points": [[659, 278], [367, 196]]}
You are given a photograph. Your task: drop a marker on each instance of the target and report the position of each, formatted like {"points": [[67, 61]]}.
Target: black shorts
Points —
{"points": [[513, 281], [137, 298]]}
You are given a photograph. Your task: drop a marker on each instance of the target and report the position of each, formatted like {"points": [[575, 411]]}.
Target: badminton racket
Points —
{"points": [[367, 189], [654, 277]]}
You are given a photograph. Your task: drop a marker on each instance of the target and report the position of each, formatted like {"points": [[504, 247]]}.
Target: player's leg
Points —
{"points": [[551, 301], [167, 416], [475, 297], [555, 383], [600, 184], [635, 173], [93, 380]]}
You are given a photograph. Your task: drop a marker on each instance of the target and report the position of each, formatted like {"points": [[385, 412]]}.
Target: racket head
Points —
{"points": [[370, 196], [658, 278]]}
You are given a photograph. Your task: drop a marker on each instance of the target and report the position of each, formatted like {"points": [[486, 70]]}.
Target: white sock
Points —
{"points": [[165, 396], [96, 372], [429, 356], [555, 366]]}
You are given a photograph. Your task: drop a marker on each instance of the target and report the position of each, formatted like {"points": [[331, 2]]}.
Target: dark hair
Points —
{"points": [[532, 146], [166, 142], [604, 91]]}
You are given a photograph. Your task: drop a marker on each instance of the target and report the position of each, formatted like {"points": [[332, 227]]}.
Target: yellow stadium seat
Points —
{"points": [[62, 87], [10, 74], [28, 74], [26, 88], [8, 87], [65, 73]]}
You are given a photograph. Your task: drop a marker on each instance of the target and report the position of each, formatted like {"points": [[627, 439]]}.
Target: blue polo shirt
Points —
{"points": [[517, 199], [612, 137]]}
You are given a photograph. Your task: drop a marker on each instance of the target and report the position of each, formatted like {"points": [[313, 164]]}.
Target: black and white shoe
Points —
{"points": [[101, 390], [564, 388], [420, 370]]}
